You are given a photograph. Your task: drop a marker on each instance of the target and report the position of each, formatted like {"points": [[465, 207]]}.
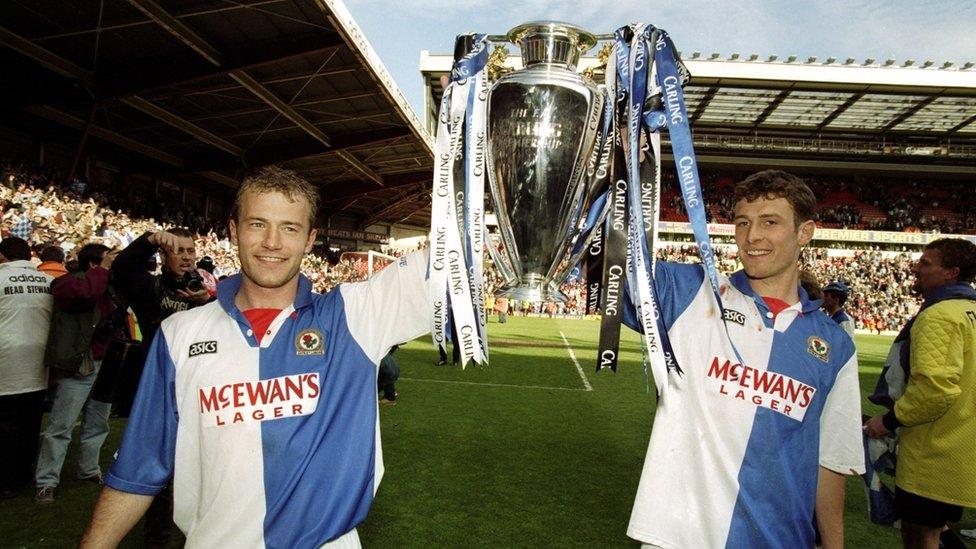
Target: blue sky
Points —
{"points": [[940, 30]]}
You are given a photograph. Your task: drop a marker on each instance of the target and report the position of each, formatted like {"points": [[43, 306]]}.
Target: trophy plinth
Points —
{"points": [[542, 127]]}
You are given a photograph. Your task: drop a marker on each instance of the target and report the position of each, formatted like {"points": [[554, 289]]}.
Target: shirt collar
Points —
{"points": [[227, 290], [741, 283], [22, 263]]}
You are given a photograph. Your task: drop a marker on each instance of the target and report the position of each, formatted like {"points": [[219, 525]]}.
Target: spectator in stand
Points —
{"points": [[52, 261], [79, 293], [25, 318]]}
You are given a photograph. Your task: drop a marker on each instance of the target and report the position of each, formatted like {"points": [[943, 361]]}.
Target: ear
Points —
{"points": [[952, 274], [311, 240], [232, 225], [805, 232]]}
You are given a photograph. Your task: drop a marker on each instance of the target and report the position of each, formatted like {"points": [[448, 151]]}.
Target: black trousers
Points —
{"points": [[20, 430], [455, 346]]}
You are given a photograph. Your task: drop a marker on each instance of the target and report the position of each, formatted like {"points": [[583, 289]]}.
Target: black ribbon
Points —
{"points": [[614, 262]]}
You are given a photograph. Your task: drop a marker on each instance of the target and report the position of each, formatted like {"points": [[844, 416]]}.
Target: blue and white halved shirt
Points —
{"points": [[735, 447], [274, 444]]}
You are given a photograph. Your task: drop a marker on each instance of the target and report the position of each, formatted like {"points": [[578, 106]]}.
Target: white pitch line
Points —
{"points": [[455, 382], [572, 355]]}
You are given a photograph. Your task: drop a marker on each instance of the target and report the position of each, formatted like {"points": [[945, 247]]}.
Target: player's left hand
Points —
{"points": [[875, 427], [199, 297]]}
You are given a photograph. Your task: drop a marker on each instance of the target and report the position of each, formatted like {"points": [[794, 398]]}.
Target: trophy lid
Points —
{"points": [[551, 42]]}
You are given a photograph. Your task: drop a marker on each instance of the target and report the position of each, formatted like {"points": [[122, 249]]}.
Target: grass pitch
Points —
{"points": [[533, 450]]}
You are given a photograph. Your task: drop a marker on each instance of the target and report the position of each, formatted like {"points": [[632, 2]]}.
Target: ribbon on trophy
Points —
{"points": [[474, 189], [649, 99], [455, 275]]}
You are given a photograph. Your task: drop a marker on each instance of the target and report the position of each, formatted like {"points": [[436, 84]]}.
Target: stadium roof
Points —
{"points": [[215, 87], [826, 114]]}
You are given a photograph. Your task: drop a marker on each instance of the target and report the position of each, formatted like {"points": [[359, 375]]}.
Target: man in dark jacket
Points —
{"points": [[153, 298], [78, 293]]}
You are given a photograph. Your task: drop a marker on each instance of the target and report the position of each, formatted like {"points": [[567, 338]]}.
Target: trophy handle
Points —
{"points": [[501, 263], [574, 258]]}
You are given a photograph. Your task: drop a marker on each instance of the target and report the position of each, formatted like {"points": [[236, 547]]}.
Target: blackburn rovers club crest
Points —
{"points": [[309, 342], [818, 348]]}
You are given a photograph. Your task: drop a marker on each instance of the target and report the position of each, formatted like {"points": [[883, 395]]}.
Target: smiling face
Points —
{"points": [[272, 234], [769, 243]]}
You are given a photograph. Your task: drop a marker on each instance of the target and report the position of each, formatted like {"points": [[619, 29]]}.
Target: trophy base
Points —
{"points": [[532, 288]]}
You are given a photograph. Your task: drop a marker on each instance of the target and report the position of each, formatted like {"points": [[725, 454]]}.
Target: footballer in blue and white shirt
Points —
{"points": [[762, 416], [261, 406]]}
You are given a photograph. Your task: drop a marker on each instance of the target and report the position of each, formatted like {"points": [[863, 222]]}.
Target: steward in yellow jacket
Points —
{"points": [[937, 412]]}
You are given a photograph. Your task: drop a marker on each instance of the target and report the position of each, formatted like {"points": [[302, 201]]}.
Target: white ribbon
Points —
{"points": [[448, 270]]}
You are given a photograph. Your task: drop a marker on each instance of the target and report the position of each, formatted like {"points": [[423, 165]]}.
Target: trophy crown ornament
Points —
{"points": [[551, 42]]}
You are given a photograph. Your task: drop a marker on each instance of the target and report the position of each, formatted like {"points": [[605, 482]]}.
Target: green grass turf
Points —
{"points": [[511, 455]]}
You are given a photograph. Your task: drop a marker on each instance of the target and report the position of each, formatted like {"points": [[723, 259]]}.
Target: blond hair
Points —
{"points": [[273, 179]]}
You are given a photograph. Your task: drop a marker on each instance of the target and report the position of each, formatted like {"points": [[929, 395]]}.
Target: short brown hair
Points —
{"points": [[957, 252], [809, 282], [275, 179], [181, 232], [773, 184]]}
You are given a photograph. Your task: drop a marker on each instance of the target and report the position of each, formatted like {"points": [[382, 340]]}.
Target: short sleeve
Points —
{"points": [[389, 308], [841, 446], [145, 461]]}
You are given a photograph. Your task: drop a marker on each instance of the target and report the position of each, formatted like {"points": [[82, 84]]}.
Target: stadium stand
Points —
{"points": [[39, 205]]}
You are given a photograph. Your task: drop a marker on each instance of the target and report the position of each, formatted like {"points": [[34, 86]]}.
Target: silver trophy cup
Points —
{"points": [[543, 123]]}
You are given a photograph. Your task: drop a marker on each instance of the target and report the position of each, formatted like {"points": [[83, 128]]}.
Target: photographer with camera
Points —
{"points": [[153, 298]]}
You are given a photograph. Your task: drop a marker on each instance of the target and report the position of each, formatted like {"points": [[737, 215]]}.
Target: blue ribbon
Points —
{"points": [[686, 164]]}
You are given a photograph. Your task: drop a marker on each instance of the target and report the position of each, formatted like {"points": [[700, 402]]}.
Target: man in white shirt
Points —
{"points": [[25, 318]]}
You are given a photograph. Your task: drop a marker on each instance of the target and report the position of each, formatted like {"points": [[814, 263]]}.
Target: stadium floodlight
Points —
{"points": [[830, 61], [968, 65], [947, 65], [715, 55], [850, 61], [889, 62], [909, 63], [754, 57], [695, 54], [811, 59], [734, 56], [928, 63], [791, 59], [772, 58], [869, 61]]}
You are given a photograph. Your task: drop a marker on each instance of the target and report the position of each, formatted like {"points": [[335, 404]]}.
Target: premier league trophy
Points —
{"points": [[551, 142], [543, 123]]}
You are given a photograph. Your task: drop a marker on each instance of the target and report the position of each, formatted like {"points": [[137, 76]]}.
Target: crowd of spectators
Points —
{"points": [[844, 215], [854, 203], [39, 206]]}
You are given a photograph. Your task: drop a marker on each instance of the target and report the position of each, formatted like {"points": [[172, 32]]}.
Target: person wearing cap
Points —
{"points": [[834, 296]]}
